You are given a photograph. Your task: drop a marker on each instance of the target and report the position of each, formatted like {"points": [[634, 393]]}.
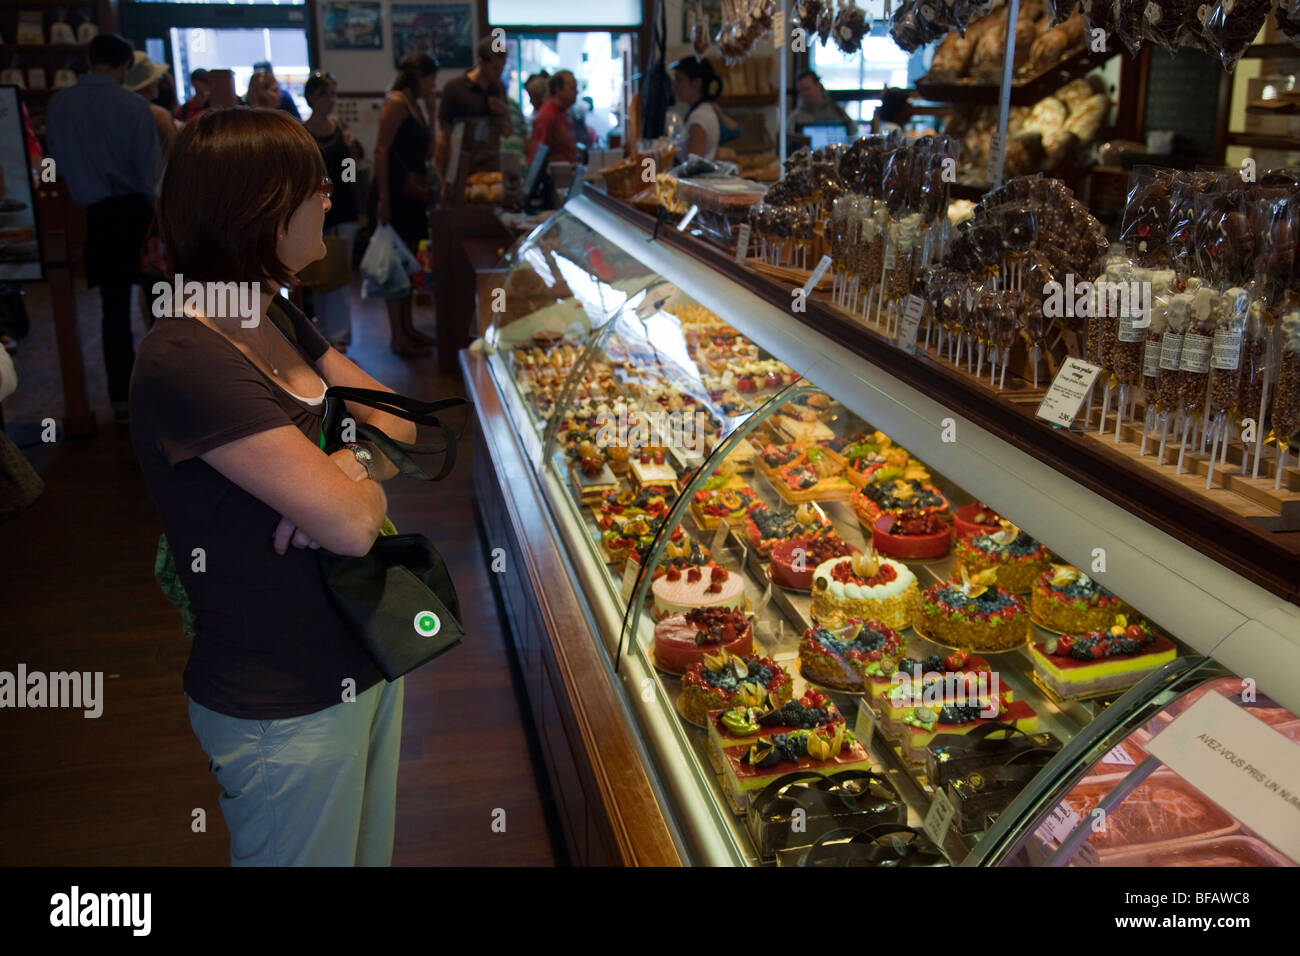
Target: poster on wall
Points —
{"points": [[20, 248], [445, 30], [353, 25]]}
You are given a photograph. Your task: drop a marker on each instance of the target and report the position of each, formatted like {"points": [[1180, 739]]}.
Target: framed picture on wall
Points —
{"points": [[445, 30], [353, 25], [20, 245]]}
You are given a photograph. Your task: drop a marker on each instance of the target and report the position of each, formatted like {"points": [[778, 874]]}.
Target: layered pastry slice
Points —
{"points": [[775, 456], [1100, 661], [743, 726], [958, 678], [837, 659], [866, 587], [924, 723], [813, 476], [682, 640], [724, 681], [681, 590], [794, 561], [767, 528], [974, 614], [895, 497], [826, 751], [1016, 557], [650, 467], [590, 474], [1065, 599]]}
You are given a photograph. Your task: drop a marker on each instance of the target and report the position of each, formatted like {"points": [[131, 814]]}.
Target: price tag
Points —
{"points": [[1196, 353], [761, 606], [630, 571], [1240, 763], [1070, 387], [1120, 756], [939, 818], [742, 243], [1171, 351], [995, 156], [1132, 326], [865, 726], [816, 276], [686, 219], [1226, 354], [891, 255], [719, 536], [778, 30], [1061, 823], [1151, 359], [907, 329]]}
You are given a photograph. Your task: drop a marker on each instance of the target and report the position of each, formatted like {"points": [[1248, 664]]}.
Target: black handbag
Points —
{"points": [[399, 598]]}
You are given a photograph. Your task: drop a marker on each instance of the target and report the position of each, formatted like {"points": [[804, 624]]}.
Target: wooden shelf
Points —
{"points": [[1272, 51], [1025, 93], [1264, 141]]}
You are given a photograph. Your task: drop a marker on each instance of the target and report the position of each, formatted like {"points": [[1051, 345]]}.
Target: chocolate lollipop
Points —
{"points": [[1287, 16], [1168, 390], [1286, 400], [1232, 25], [1146, 216], [1225, 369], [850, 27]]}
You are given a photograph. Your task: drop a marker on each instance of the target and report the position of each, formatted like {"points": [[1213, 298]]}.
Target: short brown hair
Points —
{"points": [[233, 178], [487, 49]]}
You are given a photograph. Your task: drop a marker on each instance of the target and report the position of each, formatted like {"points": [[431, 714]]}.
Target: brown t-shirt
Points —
{"points": [[269, 644], [463, 99]]}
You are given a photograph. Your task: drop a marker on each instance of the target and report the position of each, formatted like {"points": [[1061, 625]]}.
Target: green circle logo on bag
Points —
{"points": [[427, 624]]}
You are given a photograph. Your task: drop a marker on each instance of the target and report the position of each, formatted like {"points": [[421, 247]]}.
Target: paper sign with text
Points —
{"points": [[1061, 404]]}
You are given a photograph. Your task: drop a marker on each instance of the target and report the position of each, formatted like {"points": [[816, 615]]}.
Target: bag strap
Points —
{"points": [[399, 406]]}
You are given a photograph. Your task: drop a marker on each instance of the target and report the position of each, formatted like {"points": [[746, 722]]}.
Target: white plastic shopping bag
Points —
{"points": [[387, 265]]}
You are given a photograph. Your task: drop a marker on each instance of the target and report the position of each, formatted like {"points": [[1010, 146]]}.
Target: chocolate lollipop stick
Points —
{"points": [[1119, 409], [1164, 434], [1281, 463], [1214, 453], [1259, 422], [1182, 449]]}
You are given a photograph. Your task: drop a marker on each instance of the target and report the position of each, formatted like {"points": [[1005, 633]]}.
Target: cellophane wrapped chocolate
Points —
{"points": [[1286, 398], [1287, 17], [1198, 346], [1255, 360], [1146, 217], [1159, 318], [1060, 10], [1275, 217], [1225, 359], [1130, 22], [1182, 233], [1232, 25], [1098, 15], [806, 12], [1169, 387], [1165, 20]]}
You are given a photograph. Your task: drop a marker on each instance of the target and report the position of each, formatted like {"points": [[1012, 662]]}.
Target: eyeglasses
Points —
{"points": [[326, 188]]}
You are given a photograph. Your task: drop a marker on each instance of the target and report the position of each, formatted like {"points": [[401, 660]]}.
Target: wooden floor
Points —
{"points": [[78, 594]]}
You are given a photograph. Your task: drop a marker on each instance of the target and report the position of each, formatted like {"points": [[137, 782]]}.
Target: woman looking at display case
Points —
{"points": [[697, 85], [299, 726]]}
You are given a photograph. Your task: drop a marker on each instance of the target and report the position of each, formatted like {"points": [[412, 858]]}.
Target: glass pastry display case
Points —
{"points": [[846, 622]]}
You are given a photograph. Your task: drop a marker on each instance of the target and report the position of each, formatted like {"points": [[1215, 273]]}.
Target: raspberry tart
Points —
{"points": [[866, 587], [1067, 601], [1016, 557], [912, 536], [1102, 661], [973, 614], [774, 457], [837, 659], [895, 497], [681, 590], [767, 528], [682, 640], [724, 681], [794, 561]]}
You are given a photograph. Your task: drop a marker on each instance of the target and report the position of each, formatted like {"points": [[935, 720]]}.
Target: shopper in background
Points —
{"points": [[816, 106], [477, 99], [225, 423], [697, 86], [337, 144], [263, 91], [286, 100], [197, 103], [144, 77], [586, 136], [538, 89], [894, 111], [166, 96], [402, 150], [553, 124], [105, 145]]}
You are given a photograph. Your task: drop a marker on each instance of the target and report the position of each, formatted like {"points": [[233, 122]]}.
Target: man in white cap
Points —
{"points": [[142, 77]]}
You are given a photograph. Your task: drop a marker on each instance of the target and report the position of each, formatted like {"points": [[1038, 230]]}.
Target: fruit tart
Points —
{"points": [[1102, 661], [631, 537], [959, 677], [682, 640], [623, 503], [1066, 600], [1018, 559], [837, 659], [774, 457], [729, 504], [973, 613], [722, 681], [743, 726], [912, 535], [825, 750], [895, 497], [813, 476], [794, 561], [767, 528], [863, 586]]}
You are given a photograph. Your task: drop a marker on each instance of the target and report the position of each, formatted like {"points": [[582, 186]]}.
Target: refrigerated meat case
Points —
{"points": [[604, 309]]}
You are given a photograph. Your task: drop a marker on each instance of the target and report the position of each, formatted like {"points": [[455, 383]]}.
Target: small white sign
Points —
{"points": [[629, 579], [1062, 822], [1070, 387], [891, 256], [1239, 762], [865, 726], [907, 329], [719, 536], [742, 243], [1120, 756], [939, 818], [816, 276], [686, 219]]}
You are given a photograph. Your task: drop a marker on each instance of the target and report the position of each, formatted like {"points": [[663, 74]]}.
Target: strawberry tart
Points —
{"points": [[836, 659], [794, 561], [865, 587], [1017, 558], [1066, 600], [682, 640], [681, 590], [724, 681]]}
